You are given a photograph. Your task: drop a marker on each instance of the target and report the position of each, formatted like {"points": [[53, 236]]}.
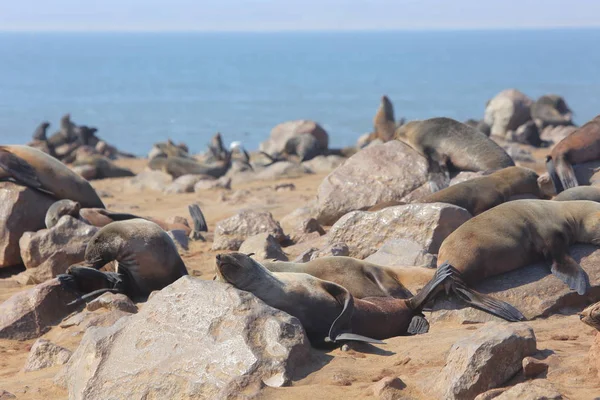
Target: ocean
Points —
{"points": [[139, 88]]}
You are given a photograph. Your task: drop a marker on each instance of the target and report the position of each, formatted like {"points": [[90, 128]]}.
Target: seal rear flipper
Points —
{"points": [[431, 289], [20, 170], [571, 273], [348, 336], [418, 325], [488, 304]]}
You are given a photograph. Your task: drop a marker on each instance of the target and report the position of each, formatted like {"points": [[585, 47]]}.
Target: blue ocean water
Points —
{"points": [[138, 88]]}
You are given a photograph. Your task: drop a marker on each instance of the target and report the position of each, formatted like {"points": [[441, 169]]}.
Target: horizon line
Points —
{"points": [[321, 30]]}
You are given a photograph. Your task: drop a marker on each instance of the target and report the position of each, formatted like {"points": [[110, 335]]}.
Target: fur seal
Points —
{"points": [[179, 166], [520, 233], [551, 110], [147, 260], [328, 312], [384, 122], [40, 131], [103, 166], [591, 316], [449, 142], [580, 146], [38, 170], [591, 193]]}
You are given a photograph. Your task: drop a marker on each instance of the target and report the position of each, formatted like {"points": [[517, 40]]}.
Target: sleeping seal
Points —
{"points": [[591, 193], [37, 170], [461, 147], [147, 260]]}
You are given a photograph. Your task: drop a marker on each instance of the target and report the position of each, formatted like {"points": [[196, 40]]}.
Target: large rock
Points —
{"points": [[185, 183], [231, 232], [21, 210], [377, 174], [44, 354], [291, 221], [485, 360], [281, 133], [322, 164], [507, 111], [402, 252], [532, 290], [264, 246], [49, 252], [539, 389], [551, 110], [425, 224], [556, 133], [30, 313], [149, 180], [194, 339], [112, 301]]}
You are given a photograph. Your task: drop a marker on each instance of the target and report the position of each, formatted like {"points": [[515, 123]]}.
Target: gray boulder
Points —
{"points": [[322, 164], [377, 174], [485, 360], [49, 252], [296, 217], [507, 111], [223, 182], [264, 246], [112, 301], [402, 252], [193, 339], [149, 180], [334, 249], [231, 232], [185, 184], [281, 133], [44, 354], [21, 210], [538, 389], [425, 224]]}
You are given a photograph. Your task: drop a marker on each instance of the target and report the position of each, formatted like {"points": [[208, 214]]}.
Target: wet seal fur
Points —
{"points": [[37, 170], [581, 146], [449, 142], [147, 260], [327, 311]]}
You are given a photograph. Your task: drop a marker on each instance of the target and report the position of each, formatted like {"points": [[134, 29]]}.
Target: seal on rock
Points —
{"points": [[447, 141], [40, 131], [581, 146], [591, 193], [328, 312], [37, 170], [384, 122], [147, 260]]}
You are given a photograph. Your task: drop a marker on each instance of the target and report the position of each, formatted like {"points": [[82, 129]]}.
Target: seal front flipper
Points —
{"points": [[418, 325], [347, 336], [558, 186], [198, 218], [567, 270], [566, 174], [18, 169]]}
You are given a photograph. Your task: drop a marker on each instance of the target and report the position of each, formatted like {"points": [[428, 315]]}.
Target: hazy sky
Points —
{"points": [[269, 15]]}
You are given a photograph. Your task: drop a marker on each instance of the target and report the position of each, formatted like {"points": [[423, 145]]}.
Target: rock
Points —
{"points": [[518, 153], [321, 164], [507, 111], [402, 252], [594, 354], [377, 174], [283, 169], [334, 249], [388, 387], [149, 180], [87, 319], [533, 367], [539, 389], [556, 133], [485, 359], [305, 256], [363, 141], [305, 227], [281, 133], [46, 354], [491, 394], [527, 133], [464, 176], [425, 224], [30, 313], [181, 240], [193, 339], [532, 290], [551, 110], [49, 252], [184, 184], [112, 301], [264, 246], [21, 210], [4, 395], [223, 182], [296, 217], [231, 232]]}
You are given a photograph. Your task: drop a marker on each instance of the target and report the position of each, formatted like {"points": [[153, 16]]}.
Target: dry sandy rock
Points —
{"points": [[21, 210], [425, 224], [538, 389], [321, 164], [281, 133], [533, 367], [112, 301], [231, 232], [264, 246], [223, 182], [402, 252], [46, 354], [507, 111], [184, 184], [193, 339], [4, 395], [149, 180]]}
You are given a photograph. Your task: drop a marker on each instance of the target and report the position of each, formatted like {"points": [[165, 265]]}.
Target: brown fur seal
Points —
{"points": [[591, 316], [591, 193], [446, 141], [179, 166], [384, 122], [520, 233], [104, 167], [40, 131], [581, 146], [147, 260], [328, 311], [37, 170]]}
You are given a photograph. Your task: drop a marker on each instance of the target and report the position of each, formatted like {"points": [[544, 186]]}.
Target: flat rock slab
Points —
{"points": [[402, 252], [44, 354], [533, 290], [194, 339], [377, 174], [231, 232], [30, 313], [425, 224]]}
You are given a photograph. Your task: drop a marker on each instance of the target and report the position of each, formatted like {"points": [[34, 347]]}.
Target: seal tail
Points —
{"points": [[481, 301], [432, 288]]}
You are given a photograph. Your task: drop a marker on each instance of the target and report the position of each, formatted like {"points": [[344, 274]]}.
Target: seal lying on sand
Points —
{"points": [[581, 146], [101, 217], [37, 170], [591, 193], [480, 194], [328, 312], [147, 260], [520, 233], [461, 147], [104, 167]]}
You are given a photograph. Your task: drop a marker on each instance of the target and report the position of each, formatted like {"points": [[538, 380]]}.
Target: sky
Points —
{"points": [[293, 15]]}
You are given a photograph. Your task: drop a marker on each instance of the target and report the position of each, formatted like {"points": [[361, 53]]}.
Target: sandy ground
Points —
{"points": [[332, 375]]}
